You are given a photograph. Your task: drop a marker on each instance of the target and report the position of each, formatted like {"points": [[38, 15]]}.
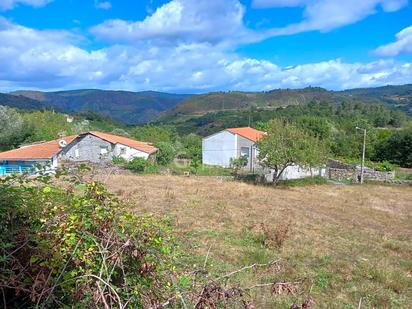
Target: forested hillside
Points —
{"points": [[398, 96], [123, 106], [224, 101]]}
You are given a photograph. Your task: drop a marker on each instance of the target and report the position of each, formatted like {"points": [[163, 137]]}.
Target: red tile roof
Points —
{"points": [[114, 139], [42, 151], [248, 132]]}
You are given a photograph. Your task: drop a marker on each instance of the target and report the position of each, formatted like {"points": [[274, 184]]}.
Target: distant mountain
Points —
{"points": [[123, 106], [21, 102], [397, 96], [226, 101], [149, 106]]}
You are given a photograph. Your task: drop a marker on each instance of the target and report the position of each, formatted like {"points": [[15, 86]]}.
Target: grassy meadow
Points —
{"points": [[345, 246]]}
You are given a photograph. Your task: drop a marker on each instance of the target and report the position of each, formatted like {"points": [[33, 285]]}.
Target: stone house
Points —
{"points": [[96, 147]]}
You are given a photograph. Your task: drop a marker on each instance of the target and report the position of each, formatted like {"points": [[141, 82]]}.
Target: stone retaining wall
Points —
{"points": [[354, 175]]}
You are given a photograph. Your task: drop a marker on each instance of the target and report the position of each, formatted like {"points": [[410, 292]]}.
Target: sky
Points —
{"points": [[197, 46]]}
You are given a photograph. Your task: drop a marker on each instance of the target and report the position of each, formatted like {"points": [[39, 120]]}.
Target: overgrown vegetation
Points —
{"points": [[67, 242]]}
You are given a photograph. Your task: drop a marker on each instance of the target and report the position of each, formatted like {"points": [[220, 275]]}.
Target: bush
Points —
{"points": [[166, 153], [119, 160], [77, 247], [140, 165]]}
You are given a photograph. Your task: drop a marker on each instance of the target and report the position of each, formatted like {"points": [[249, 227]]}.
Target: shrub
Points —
{"points": [[77, 247], [238, 164], [119, 160], [165, 154], [140, 165]]}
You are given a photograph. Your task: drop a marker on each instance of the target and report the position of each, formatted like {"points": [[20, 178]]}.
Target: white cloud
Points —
{"points": [[53, 60], [402, 45], [182, 21], [326, 15], [10, 4], [104, 5]]}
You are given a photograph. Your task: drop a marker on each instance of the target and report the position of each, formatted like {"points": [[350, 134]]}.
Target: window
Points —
{"points": [[104, 150], [77, 153], [244, 152]]}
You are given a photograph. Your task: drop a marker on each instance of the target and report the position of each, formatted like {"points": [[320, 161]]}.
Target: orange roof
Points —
{"points": [[248, 132], [42, 151], [114, 139]]}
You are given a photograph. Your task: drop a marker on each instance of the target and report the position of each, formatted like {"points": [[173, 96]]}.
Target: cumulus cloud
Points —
{"points": [[52, 60], [183, 21], [326, 15], [10, 4], [402, 45]]}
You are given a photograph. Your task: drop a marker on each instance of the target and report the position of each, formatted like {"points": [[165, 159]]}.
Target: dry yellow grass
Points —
{"points": [[345, 242]]}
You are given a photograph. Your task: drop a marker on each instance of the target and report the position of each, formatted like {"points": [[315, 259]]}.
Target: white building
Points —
{"points": [[219, 148]]}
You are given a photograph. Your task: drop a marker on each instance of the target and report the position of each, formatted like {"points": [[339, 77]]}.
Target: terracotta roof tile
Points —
{"points": [[248, 132], [43, 151], [114, 139]]}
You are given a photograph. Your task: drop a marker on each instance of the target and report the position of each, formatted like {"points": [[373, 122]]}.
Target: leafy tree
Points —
{"points": [[155, 134], [13, 129], [286, 145], [238, 164], [166, 153], [396, 148], [317, 126], [192, 146]]}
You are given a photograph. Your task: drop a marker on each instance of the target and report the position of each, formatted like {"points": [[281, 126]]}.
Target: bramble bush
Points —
{"points": [[78, 247]]}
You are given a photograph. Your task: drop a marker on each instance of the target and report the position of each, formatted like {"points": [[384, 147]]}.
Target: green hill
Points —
{"points": [[123, 106], [226, 101]]}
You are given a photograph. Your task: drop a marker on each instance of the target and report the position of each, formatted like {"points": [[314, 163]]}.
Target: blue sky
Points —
{"points": [[204, 45]]}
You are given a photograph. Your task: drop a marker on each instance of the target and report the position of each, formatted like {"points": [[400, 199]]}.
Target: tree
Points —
{"points": [[165, 154], [13, 130], [238, 164], [396, 149], [286, 145]]}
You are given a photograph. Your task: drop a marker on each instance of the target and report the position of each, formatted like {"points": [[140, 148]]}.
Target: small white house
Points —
{"points": [[219, 148]]}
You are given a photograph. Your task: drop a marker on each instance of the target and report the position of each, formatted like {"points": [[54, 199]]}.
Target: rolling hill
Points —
{"points": [[123, 106], [149, 106], [226, 101]]}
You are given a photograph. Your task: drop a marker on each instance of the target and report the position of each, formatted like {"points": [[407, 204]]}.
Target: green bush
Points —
{"points": [[119, 160], [166, 153], [140, 165], [77, 247]]}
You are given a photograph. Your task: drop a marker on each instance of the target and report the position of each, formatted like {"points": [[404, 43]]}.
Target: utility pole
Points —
{"points": [[363, 154]]}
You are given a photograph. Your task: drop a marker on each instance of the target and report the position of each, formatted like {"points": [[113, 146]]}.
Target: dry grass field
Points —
{"points": [[344, 244]]}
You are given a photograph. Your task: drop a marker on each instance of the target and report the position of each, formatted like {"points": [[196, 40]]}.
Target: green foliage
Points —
{"points": [[140, 165], [119, 160], [285, 145], [13, 130], [238, 164], [63, 247], [307, 181], [155, 134], [397, 148], [191, 147], [166, 153]]}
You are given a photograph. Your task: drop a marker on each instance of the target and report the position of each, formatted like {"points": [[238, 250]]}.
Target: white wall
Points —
{"points": [[219, 148], [130, 152], [297, 172]]}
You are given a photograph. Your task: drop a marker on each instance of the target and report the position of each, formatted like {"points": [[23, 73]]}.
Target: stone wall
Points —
{"points": [[354, 175]]}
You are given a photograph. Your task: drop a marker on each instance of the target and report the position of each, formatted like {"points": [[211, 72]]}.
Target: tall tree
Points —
{"points": [[286, 145], [13, 130]]}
